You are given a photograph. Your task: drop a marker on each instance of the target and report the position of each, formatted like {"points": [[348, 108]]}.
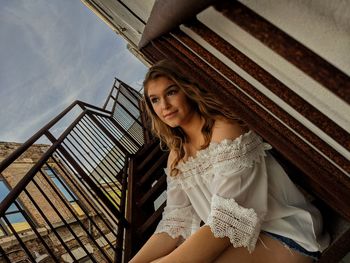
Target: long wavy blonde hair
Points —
{"points": [[201, 100]]}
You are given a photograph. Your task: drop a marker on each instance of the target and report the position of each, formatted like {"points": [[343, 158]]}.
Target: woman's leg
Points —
{"points": [[267, 250], [157, 260]]}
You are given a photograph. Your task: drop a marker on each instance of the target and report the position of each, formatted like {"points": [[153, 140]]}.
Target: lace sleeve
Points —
{"points": [[177, 222], [228, 219], [239, 190], [179, 218]]}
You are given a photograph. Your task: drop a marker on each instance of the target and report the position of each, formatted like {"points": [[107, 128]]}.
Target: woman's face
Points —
{"points": [[169, 102]]}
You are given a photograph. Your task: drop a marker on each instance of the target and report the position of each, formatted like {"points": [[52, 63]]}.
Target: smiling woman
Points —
{"points": [[221, 173], [170, 102], [177, 105]]}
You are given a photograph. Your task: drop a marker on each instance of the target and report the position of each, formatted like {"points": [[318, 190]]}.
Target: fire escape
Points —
{"points": [[97, 192], [112, 175]]}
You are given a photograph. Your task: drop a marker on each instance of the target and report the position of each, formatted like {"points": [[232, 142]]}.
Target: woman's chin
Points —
{"points": [[172, 124]]}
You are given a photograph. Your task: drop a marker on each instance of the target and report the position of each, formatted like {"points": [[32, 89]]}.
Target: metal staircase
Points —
{"points": [[86, 197], [96, 193]]}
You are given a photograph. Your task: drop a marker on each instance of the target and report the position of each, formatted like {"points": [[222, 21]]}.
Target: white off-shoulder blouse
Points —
{"points": [[238, 189]]}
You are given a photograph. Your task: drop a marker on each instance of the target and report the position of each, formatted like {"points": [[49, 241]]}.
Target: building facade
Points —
{"points": [[49, 209]]}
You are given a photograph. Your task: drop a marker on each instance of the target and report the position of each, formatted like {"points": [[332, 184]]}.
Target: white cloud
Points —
{"points": [[52, 53]]}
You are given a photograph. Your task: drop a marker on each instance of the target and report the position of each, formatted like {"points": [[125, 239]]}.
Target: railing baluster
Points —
{"points": [[122, 207], [105, 144], [97, 190], [92, 156], [97, 168], [33, 227], [131, 148], [110, 95], [96, 141], [100, 160], [90, 183], [63, 220], [86, 186], [73, 212], [14, 232], [87, 200], [96, 149], [127, 111], [128, 98], [125, 132], [49, 223], [101, 176], [109, 135]]}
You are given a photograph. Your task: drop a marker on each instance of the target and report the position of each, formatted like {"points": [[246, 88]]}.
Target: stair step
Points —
{"points": [[152, 170], [148, 158], [147, 147], [155, 191], [151, 220]]}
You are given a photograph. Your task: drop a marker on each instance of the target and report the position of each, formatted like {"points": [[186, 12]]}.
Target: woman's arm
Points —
{"points": [[156, 247], [201, 247], [235, 179], [176, 220]]}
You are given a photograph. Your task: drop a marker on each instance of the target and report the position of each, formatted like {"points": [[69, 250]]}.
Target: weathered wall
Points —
{"points": [[12, 175]]}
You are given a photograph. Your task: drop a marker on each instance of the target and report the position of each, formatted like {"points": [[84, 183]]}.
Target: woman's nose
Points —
{"points": [[165, 104]]}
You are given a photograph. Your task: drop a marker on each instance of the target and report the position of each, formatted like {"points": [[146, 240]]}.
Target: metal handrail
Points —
{"points": [[95, 127], [14, 155]]}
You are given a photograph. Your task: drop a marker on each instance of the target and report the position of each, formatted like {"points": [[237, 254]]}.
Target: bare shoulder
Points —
{"points": [[226, 129]]}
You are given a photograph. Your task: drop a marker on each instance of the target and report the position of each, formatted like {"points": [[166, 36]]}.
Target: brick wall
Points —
{"points": [[12, 175]]}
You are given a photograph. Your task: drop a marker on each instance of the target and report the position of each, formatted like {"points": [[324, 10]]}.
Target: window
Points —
{"points": [[61, 185], [64, 189], [13, 214]]}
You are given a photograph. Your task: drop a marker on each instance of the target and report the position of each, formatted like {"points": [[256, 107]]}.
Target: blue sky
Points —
{"points": [[52, 53]]}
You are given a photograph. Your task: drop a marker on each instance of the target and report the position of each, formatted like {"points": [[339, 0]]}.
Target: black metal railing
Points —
{"points": [[124, 101], [70, 203]]}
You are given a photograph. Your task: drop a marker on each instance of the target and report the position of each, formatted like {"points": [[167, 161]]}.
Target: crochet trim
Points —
{"points": [[229, 219], [229, 155], [177, 222]]}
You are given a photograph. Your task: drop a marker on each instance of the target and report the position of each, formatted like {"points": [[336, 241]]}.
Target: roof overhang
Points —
{"points": [[168, 14]]}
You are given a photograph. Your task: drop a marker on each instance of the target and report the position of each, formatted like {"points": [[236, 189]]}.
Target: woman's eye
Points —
{"points": [[154, 100], [172, 92]]}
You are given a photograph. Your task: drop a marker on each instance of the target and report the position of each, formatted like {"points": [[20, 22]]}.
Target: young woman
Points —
{"points": [[219, 172]]}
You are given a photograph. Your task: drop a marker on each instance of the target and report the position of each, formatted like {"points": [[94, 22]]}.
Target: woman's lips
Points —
{"points": [[170, 115]]}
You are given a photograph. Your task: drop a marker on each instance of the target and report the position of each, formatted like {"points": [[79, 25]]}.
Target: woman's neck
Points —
{"points": [[193, 129]]}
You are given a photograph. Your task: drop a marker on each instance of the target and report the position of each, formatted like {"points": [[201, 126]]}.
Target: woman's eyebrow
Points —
{"points": [[170, 86], [166, 89]]}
